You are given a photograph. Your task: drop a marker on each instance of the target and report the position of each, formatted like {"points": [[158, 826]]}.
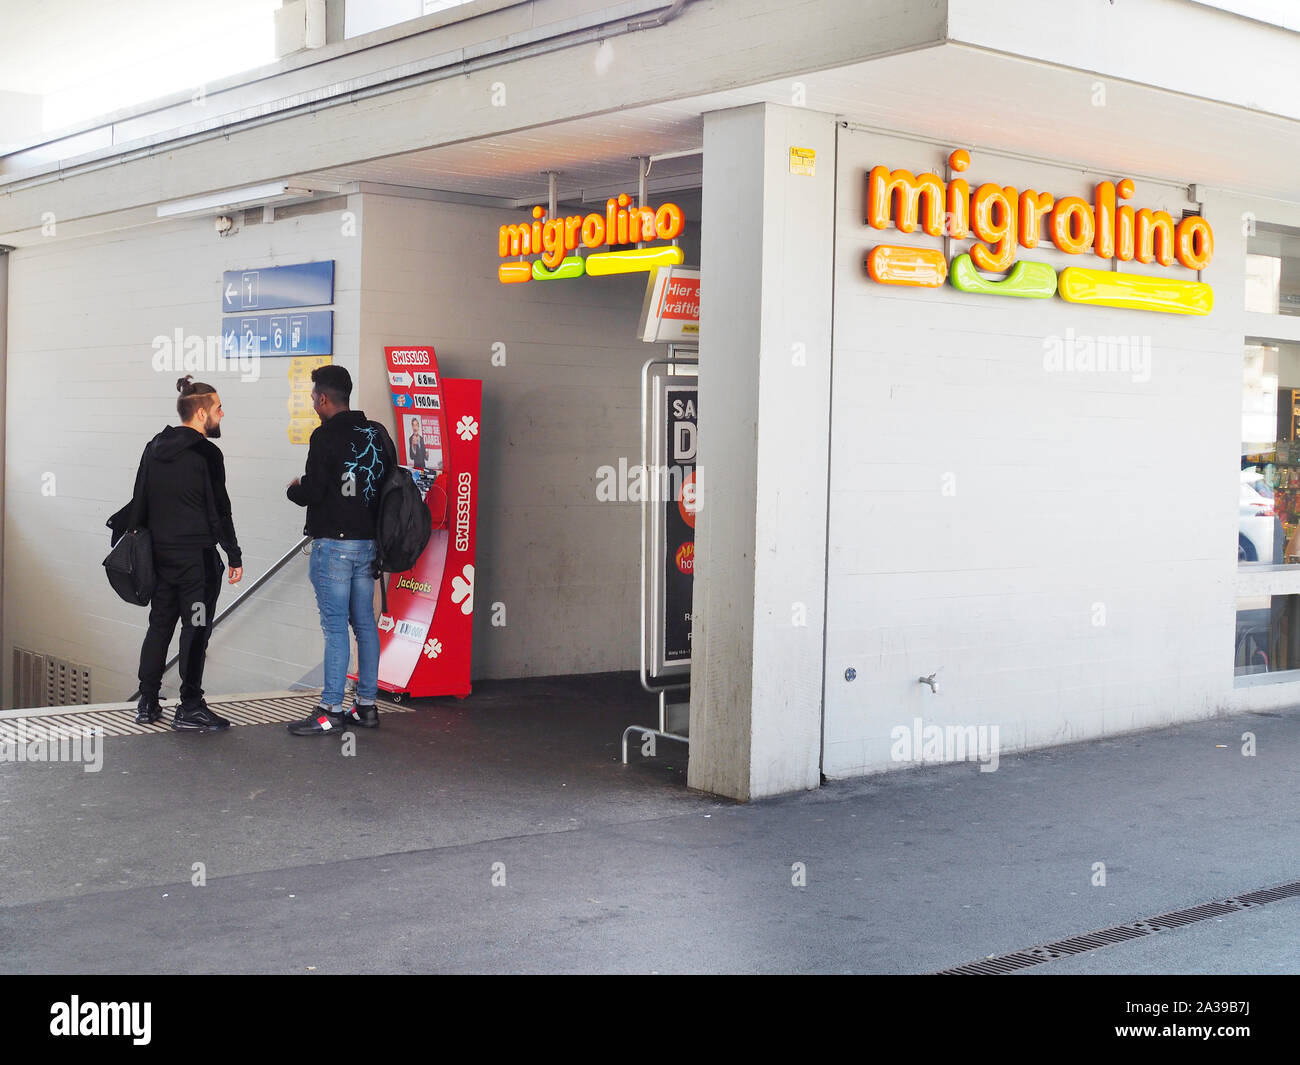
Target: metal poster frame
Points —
{"points": [[658, 676]]}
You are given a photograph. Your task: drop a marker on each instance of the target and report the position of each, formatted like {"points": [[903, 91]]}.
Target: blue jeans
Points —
{"points": [[340, 573]]}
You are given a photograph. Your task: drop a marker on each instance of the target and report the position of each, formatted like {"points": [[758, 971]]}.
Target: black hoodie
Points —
{"points": [[187, 504], [347, 460]]}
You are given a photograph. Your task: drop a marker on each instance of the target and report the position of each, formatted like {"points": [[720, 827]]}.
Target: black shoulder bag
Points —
{"points": [[129, 564]]}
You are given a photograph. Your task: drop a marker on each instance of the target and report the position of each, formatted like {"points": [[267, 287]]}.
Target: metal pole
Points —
{"points": [[551, 175], [643, 172]]}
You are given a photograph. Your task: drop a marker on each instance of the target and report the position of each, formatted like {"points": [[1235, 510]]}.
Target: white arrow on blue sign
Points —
{"points": [[272, 287], [308, 333]]}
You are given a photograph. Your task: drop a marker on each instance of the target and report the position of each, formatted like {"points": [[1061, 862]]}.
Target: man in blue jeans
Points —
{"points": [[347, 459]]}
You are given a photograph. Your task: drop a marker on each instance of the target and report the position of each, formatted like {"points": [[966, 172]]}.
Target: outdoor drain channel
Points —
{"points": [[1064, 948]]}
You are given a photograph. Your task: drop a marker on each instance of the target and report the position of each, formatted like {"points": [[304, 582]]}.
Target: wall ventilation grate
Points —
{"points": [[29, 679], [43, 680], [66, 683], [1104, 937]]}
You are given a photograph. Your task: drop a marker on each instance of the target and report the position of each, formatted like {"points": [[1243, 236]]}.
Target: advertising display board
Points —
{"points": [[417, 401], [672, 491], [671, 308], [425, 636]]}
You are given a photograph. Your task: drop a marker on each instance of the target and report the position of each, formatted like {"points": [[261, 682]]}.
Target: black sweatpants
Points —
{"points": [[189, 580]]}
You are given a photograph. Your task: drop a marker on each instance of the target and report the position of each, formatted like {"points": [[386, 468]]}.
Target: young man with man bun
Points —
{"points": [[182, 476]]}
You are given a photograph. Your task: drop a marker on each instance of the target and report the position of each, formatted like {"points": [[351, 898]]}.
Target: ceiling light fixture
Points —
{"points": [[250, 196]]}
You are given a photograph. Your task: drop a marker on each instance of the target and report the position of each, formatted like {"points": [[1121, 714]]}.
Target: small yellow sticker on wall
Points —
{"points": [[803, 161]]}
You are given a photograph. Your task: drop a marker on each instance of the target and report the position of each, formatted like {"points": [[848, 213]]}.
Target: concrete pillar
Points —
{"points": [[335, 17], [765, 341]]}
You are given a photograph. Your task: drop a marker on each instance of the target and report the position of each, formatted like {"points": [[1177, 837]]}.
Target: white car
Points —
{"points": [[1259, 533]]}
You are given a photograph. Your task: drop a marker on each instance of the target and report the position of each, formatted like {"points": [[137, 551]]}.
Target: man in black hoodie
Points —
{"points": [[347, 460], [187, 512]]}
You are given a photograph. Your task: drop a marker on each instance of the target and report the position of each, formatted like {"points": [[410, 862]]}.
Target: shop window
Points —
{"points": [[1268, 634], [1273, 270], [1269, 489]]}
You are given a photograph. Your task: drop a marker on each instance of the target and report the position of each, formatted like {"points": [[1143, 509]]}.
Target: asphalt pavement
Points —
{"points": [[502, 834]]}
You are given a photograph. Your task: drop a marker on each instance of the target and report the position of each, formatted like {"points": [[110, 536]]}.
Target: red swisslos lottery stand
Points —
{"points": [[425, 636]]}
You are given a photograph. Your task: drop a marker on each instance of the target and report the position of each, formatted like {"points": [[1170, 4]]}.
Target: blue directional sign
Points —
{"points": [[273, 335], [270, 287]]}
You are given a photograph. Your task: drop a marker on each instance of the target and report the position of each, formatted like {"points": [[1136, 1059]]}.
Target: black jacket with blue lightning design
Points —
{"points": [[347, 460]]}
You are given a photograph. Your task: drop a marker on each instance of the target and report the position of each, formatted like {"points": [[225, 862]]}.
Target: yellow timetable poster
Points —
{"points": [[302, 419]]}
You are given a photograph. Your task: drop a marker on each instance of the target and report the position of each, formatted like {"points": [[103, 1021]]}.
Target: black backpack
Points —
{"points": [[402, 521]]}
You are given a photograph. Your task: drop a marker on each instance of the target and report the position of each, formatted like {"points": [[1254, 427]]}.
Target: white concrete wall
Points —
{"points": [[84, 398], [1079, 577], [565, 403]]}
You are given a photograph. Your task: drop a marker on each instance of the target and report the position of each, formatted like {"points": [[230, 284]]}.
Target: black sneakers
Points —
{"points": [[323, 720], [198, 718], [318, 722], [362, 715], [148, 712]]}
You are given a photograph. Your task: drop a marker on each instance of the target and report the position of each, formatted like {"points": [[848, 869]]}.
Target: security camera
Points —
{"points": [[223, 224]]}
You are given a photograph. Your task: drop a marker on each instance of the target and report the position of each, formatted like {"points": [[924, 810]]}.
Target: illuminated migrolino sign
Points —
{"points": [[1002, 218], [556, 241]]}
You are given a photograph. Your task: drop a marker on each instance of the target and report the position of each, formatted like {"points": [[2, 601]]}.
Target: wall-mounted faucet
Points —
{"points": [[934, 684]]}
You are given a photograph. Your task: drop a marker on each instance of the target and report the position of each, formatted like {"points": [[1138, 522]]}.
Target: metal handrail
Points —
{"points": [[275, 568]]}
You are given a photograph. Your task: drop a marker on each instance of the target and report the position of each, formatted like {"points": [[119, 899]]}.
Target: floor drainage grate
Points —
{"points": [[1104, 937], [1273, 894]]}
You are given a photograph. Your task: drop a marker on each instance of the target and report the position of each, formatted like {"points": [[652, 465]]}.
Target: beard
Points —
{"points": [[214, 432]]}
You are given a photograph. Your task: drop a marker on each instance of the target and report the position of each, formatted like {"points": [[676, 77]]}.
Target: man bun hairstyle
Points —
{"points": [[193, 395], [334, 383]]}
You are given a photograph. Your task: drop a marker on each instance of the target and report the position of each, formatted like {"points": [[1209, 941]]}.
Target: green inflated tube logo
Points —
{"points": [[1029, 280]]}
